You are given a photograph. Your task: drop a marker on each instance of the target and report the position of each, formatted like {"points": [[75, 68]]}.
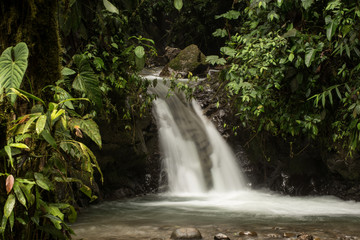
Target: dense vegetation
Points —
{"points": [[291, 69]]}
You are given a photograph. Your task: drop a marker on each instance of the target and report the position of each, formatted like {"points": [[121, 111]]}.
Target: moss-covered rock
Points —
{"points": [[190, 59]]}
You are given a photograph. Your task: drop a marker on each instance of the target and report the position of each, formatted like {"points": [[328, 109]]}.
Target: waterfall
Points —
{"points": [[196, 158]]}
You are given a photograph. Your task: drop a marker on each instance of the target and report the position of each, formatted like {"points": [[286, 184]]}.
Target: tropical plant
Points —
{"points": [[45, 165]]}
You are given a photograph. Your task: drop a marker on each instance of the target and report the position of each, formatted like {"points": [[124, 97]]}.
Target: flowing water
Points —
{"points": [[206, 190]]}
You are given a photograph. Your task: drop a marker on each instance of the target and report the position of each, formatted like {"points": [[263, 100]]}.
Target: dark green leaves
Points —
{"points": [[232, 14], [86, 81], [307, 3], [331, 26], [13, 64]]}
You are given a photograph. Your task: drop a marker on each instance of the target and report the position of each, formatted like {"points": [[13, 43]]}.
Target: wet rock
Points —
{"points": [[186, 233], [248, 233], [305, 237], [221, 236], [348, 238], [190, 59], [289, 235], [273, 235], [171, 53]]}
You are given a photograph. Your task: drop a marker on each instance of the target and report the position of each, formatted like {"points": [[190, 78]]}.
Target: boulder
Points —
{"points": [[305, 237], [221, 236], [171, 53], [190, 59], [186, 233]]}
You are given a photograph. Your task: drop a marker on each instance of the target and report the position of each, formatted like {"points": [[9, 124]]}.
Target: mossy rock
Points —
{"points": [[190, 59]]}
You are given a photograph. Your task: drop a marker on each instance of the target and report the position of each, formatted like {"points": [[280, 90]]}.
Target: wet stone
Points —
{"points": [[221, 236], [186, 233], [289, 235], [305, 237], [248, 233], [273, 236]]}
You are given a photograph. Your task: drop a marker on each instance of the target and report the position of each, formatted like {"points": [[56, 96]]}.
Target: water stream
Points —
{"points": [[206, 190]]}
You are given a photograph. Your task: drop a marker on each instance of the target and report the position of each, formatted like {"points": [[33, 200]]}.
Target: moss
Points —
{"points": [[188, 59]]}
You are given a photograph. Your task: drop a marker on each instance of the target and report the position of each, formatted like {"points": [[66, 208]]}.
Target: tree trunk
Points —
{"points": [[33, 22]]}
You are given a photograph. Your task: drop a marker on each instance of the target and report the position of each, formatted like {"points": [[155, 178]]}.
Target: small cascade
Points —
{"points": [[195, 156]]}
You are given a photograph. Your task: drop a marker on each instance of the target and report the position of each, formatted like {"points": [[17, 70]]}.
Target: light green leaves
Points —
{"points": [[13, 64], [214, 59], [232, 14], [89, 127], [220, 33], [43, 181], [178, 4], [9, 205], [228, 51], [40, 124], [139, 51], [110, 7], [307, 3]]}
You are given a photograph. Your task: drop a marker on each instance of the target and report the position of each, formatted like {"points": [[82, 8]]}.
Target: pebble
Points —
{"points": [[221, 236], [248, 233], [186, 233]]}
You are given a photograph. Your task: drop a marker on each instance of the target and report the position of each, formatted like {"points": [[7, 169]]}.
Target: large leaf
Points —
{"points": [[309, 56], [306, 3], [139, 51], [89, 127], [86, 81], [9, 205], [110, 7], [178, 4], [13, 64], [40, 124], [19, 194], [331, 27], [9, 183], [43, 181]]}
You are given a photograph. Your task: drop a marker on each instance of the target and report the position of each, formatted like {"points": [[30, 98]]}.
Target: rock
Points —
{"points": [[186, 233], [248, 233], [190, 59], [289, 235], [171, 53], [221, 236], [274, 235], [305, 237]]}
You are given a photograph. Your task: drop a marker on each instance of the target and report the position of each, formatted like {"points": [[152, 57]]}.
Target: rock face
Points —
{"points": [[186, 233], [190, 59]]}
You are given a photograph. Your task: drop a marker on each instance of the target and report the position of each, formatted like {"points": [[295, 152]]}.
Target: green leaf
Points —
{"points": [[67, 71], [331, 27], [19, 145], [291, 57], [47, 136], [43, 181], [13, 64], [214, 59], [61, 95], [86, 81], [228, 51], [29, 124], [220, 33], [8, 151], [23, 93], [72, 216], [309, 56], [232, 14], [139, 51], [9, 205], [89, 127], [178, 4], [19, 194], [307, 3], [40, 124], [110, 7]]}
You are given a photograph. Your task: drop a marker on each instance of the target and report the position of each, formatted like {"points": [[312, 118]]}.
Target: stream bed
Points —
{"points": [[268, 214]]}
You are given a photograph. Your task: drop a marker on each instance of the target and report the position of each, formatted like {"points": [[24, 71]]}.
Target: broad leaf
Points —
{"points": [[232, 14], [309, 56], [19, 145], [86, 81], [40, 124], [19, 194], [214, 59], [67, 71], [331, 28], [47, 136], [111, 8], [9, 205], [228, 51], [13, 64], [220, 33], [139, 51], [306, 3], [43, 181], [178, 4], [89, 127]]}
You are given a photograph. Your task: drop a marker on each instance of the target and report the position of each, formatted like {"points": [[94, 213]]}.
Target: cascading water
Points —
{"points": [[208, 191], [196, 157]]}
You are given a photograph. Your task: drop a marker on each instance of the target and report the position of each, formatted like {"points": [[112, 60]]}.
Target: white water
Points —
{"points": [[228, 207]]}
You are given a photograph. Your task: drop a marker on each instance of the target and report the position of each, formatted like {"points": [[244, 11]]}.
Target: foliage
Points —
{"points": [[44, 165], [292, 68]]}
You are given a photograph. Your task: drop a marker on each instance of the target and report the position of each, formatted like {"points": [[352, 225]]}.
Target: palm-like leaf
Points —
{"points": [[13, 64]]}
